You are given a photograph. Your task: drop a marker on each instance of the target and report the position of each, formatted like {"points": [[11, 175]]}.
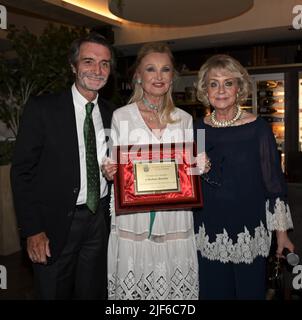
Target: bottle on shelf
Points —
{"points": [[271, 101], [273, 119], [267, 110], [267, 84]]}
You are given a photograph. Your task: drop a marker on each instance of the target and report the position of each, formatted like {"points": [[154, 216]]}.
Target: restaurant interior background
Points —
{"points": [[264, 35]]}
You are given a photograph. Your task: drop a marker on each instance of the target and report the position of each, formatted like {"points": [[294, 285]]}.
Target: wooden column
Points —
{"points": [[9, 235]]}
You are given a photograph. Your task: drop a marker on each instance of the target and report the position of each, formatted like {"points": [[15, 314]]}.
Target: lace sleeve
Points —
{"points": [[277, 210]]}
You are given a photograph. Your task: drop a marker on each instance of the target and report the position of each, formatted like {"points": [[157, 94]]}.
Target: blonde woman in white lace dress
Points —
{"points": [[145, 260], [244, 192]]}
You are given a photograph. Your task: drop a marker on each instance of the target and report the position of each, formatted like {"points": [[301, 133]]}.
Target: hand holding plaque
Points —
{"points": [[155, 177]]}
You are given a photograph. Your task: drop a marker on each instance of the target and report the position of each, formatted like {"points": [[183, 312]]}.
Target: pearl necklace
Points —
{"points": [[150, 105], [225, 123]]}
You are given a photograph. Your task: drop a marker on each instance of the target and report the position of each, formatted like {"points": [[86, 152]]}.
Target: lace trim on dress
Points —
{"points": [[280, 219], [245, 250], [112, 205], [155, 285]]}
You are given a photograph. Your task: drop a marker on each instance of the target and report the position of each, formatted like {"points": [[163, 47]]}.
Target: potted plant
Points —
{"points": [[38, 65]]}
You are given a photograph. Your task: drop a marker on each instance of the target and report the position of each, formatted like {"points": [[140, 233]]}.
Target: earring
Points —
{"points": [[237, 96], [139, 81]]}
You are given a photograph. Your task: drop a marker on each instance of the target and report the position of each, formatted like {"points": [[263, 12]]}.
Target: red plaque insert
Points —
{"points": [[186, 195]]}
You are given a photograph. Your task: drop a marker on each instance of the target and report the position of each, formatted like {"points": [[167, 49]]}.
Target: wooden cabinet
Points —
{"points": [[184, 94], [269, 103]]}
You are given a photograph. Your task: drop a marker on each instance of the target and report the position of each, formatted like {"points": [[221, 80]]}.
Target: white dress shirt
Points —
{"points": [[80, 113]]}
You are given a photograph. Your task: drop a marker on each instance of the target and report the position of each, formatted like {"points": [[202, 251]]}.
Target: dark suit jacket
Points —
{"points": [[45, 172]]}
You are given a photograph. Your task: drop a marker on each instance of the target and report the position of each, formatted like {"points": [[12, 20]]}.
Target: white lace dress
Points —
{"points": [[162, 265]]}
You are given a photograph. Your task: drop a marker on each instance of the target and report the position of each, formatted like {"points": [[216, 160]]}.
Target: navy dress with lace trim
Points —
{"points": [[244, 193]]}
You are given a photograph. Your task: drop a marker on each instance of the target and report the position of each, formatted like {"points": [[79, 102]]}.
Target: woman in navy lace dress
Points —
{"points": [[244, 192]]}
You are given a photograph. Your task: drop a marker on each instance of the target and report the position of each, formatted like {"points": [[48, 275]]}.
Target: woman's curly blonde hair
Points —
{"points": [[223, 62]]}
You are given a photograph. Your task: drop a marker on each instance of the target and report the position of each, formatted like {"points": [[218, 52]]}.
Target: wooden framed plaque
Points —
{"points": [[156, 177]]}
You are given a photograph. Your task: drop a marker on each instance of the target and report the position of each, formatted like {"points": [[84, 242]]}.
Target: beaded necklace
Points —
{"points": [[150, 105], [225, 123]]}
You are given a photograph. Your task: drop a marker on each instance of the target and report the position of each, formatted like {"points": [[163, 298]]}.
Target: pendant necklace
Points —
{"points": [[225, 123], [151, 106]]}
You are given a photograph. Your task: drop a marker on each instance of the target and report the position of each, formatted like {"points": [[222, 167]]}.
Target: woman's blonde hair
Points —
{"points": [[223, 62], [137, 95]]}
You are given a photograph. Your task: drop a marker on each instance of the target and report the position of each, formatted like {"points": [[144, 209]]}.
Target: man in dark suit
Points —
{"points": [[61, 198]]}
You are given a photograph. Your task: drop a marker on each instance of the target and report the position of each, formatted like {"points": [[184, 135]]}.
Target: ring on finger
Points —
{"points": [[208, 164]]}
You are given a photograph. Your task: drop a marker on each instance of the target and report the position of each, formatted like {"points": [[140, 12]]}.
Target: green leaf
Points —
{"points": [[39, 66]]}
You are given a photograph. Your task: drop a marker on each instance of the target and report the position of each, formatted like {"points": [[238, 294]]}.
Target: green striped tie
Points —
{"points": [[92, 166]]}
